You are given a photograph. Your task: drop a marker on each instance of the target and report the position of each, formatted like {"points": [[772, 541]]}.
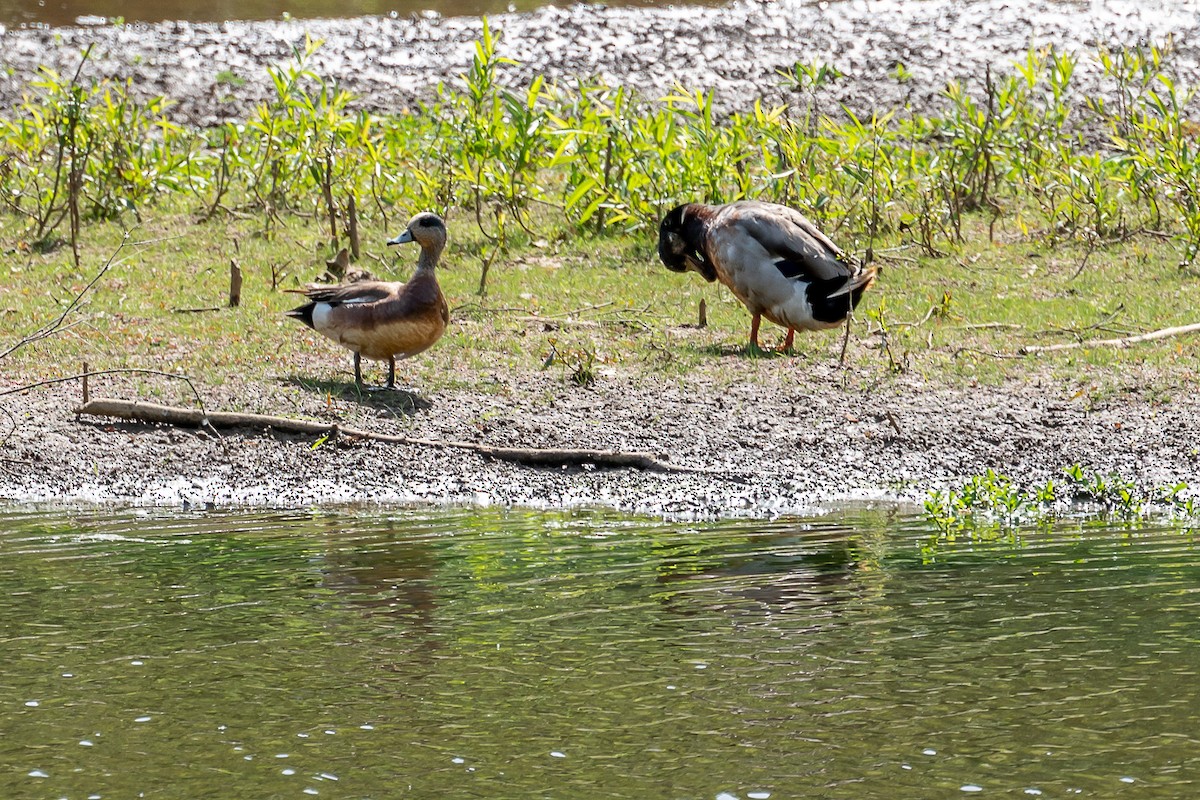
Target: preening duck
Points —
{"points": [[385, 320], [771, 257]]}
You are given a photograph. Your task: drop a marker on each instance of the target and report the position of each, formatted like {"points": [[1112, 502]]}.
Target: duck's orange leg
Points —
{"points": [[786, 347], [754, 348]]}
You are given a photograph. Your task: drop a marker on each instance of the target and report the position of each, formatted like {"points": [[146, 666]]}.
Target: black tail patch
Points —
{"points": [[304, 314], [828, 309]]}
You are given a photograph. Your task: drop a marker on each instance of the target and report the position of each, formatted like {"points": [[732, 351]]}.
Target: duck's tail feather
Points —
{"points": [[858, 283], [304, 314]]}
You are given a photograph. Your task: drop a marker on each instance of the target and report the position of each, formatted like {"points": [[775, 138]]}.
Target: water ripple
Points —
{"points": [[496, 653]]}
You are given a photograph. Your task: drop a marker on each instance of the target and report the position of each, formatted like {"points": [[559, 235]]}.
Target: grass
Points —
{"points": [[996, 224], [601, 300]]}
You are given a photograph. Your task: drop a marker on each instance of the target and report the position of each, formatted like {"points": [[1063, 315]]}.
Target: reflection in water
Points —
{"points": [[789, 568], [392, 574], [508, 653]]}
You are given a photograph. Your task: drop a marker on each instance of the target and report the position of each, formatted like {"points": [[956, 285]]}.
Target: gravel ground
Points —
{"points": [[776, 435]]}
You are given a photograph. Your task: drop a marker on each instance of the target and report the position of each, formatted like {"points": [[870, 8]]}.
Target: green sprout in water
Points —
{"points": [[993, 500]]}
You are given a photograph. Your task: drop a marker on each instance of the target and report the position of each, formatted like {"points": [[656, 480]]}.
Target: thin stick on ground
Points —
{"points": [[988, 353], [1124, 341], [191, 417], [972, 326], [12, 421], [60, 323], [1092, 243], [52, 327]]}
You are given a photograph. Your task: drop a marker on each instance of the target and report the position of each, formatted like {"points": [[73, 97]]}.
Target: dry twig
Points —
{"points": [[54, 326], [982, 325], [1124, 341], [988, 353], [191, 417]]}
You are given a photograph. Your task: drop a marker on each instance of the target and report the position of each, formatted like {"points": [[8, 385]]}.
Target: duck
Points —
{"points": [[773, 259], [385, 320]]}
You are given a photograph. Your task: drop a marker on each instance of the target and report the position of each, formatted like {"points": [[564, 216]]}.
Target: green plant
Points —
{"points": [[227, 77], [501, 146], [999, 500], [578, 363], [1006, 151], [300, 143]]}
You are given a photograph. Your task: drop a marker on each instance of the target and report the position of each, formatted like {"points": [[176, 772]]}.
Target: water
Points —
{"points": [[426, 654], [72, 12]]}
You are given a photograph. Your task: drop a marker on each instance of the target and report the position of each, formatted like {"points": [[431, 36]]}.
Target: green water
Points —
{"points": [[493, 654]]}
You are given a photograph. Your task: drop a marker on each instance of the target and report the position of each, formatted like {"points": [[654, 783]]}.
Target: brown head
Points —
{"points": [[681, 241], [429, 231]]}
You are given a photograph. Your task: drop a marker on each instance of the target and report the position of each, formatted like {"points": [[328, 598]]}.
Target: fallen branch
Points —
{"points": [[1096, 326], [988, 353], [1124, 341], [584, 309], [550, 323], [557, 323], [194, 418], [983, 325]]}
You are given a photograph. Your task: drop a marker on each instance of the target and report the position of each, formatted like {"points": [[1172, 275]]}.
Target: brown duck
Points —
{"points": [[771, 257], [385, 320]]}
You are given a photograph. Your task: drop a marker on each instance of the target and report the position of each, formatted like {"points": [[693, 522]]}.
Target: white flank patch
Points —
{"points": [[321, 314]]}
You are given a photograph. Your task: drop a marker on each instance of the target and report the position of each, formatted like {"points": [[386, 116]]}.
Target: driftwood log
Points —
{"points": [[195, 418], [1124, 341]]}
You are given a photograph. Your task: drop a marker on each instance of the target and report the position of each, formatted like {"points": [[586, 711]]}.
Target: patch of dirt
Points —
{"points": [[781, 434]]}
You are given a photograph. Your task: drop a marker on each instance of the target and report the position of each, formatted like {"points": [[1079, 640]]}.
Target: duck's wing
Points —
{"points": [[404, 323], [792, 242], [351, 293]]}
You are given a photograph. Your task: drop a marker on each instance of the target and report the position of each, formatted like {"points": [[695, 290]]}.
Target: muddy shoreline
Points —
{"points": [[783, 435], [217, 72], [778, 436]]}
